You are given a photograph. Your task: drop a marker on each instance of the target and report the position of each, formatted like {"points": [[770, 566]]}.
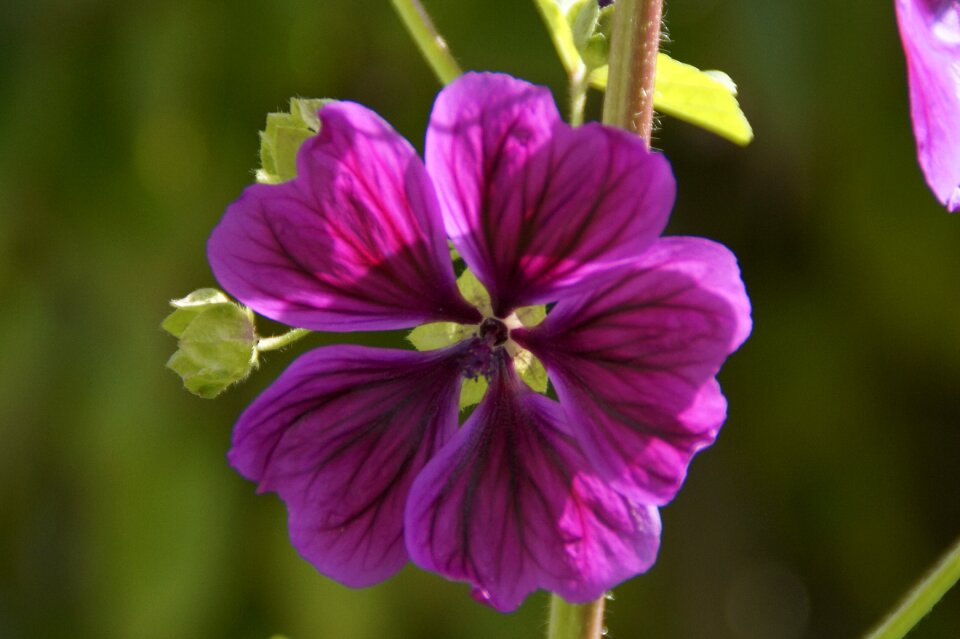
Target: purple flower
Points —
{"points": [[363, 444], [930, 30]]}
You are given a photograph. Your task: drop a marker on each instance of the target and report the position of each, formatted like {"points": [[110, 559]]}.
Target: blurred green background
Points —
{"points": [[127, 127]]}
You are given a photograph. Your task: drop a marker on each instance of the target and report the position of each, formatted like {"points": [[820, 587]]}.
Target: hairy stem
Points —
{"points": [[575, 621], [634, 44], [922, 598], [431, 45], [279, 341]]}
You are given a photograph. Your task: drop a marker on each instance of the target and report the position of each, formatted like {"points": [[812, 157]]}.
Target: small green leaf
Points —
{"points": [[472, 391], [584, 23], [428, 337], [531, 370], [282, 137], [707, 99], [454, 253], [474, 292], [530, 316]]}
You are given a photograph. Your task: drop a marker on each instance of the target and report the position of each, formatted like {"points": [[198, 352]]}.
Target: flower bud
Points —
{"points": [[284, 134], [590, 24], [217, 344]]}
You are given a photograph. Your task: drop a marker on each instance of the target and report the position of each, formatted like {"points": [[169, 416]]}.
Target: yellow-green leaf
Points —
{"points": [[531, 370], [472, 391], [428, 337], [474, 292], [531, 316], [707, 99], [561, 33]]}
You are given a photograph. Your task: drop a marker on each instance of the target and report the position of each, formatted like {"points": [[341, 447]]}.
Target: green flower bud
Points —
{"points": [[218, 342], [284, 134], [590, 25]]}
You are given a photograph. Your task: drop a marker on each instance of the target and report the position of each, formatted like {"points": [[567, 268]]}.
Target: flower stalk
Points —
{"points": [[634, 44], [575, 621], [922, 598], [280, 341], [433, 47], [579, 83]]}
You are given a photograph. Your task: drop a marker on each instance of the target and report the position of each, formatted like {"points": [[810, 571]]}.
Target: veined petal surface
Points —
{"points": [[634, 361], [340, 437], [536, 208], [354, 242], [930, 31], [511, 505]]}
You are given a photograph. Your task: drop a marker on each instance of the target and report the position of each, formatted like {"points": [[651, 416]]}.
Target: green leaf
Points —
{"points": [[454, 253], [475, 292], [584, 23], [428, 337], [553, 13], [707, 99], [530, 316], [531, 370], [282, 137], [472, 391]]}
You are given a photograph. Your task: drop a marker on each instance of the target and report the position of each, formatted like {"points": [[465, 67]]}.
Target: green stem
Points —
{"points": [[578, 95], [432, 46], [922, 598], [279, 341], [634, 43], [575, 621]]}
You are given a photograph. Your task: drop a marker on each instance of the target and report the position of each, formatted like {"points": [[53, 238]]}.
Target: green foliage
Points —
{"points": [[217, 342], [590, 28], [475, 292], [705, 98], [580, 33], [284, 133], [442, 334], [472, 391], [428, 337]]}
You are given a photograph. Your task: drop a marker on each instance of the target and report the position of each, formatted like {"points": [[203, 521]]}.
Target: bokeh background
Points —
{"points": [[125, 129]]}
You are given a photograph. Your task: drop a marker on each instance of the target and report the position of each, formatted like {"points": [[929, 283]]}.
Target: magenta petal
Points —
{"points": [[510, 505], [536, 208], [930, 31], [355, 242], [340, 436], [634, 361]]}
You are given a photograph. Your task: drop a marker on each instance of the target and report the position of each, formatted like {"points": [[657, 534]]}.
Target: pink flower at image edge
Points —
{"points": [[930, 32], [363, 444]]}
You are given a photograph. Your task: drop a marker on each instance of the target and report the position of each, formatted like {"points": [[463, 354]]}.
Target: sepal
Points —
{"points": [[217, 342], [282, 137]]}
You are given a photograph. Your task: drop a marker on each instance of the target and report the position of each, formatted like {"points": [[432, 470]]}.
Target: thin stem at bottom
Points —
{"points": [[922, 598], [575, 621]]}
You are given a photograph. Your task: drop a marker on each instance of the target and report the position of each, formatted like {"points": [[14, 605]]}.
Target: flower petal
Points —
{"points": [[511, 505], [536, 208], [634, 361], [930, 31], [355, 242], [340, 436]]}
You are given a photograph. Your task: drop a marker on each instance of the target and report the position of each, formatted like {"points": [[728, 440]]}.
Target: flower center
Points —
{"points": [[493, 331]]}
